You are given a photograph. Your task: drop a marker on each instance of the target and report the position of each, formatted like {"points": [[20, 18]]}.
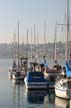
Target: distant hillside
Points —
{"points": [[6, 50]]}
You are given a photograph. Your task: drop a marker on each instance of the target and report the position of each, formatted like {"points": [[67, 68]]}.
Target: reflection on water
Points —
{"points": [[18, 94], [18, 82], [36, 97], [31, 99], [51, 96], [40, 98], [13, 94], [49, 99]]}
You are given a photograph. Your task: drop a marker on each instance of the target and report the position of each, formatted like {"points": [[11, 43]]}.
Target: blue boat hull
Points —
{"points": [[32, 82]]}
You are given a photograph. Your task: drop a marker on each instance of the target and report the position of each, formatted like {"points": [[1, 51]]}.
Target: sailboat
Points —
{"points": [[24, 59], [56, 65], [19, 74], [13, 68], [63, 85], [51, 73]]}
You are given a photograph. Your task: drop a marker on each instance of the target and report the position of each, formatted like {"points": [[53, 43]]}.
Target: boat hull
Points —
{"points": [[61, 103], [35, 85], [36, 80], [11, 72], [63, 93], [15, 77]]}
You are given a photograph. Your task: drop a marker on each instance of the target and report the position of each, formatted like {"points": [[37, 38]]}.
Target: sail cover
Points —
{"points": [[45, 63], [68, 68]]}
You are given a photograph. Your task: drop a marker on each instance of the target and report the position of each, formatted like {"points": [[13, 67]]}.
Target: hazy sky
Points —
{"points": [[28, 13]]}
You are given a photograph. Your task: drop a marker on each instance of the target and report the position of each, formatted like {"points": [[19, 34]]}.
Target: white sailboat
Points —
{"points": [[13, 68], [19, 74], [63, 85]]}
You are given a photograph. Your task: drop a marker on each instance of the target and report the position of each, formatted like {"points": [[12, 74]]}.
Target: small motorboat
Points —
{"points": [[35, 80]]}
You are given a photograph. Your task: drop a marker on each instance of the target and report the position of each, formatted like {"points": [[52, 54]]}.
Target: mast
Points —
{"points": [[44, 39], [55, 42], [37, 45], [27, 44], [34, 44], [67, 33], [31, 44], [18, 43], [14, 46], [67, 24]]}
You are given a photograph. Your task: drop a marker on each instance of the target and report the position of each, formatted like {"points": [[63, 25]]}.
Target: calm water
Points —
{"points": [[15, 95]]}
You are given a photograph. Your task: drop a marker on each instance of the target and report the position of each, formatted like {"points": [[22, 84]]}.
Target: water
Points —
{"points": [[15, 95]]}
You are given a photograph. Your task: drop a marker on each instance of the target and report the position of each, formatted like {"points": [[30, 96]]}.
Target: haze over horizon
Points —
{"points": [[28, 13]]}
